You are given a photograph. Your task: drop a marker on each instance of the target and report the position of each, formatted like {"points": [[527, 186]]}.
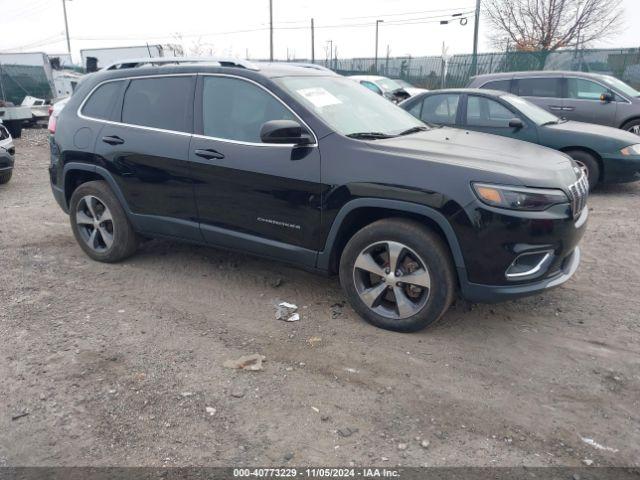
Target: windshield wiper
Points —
{"points": [[369, 135], [411, 130]]}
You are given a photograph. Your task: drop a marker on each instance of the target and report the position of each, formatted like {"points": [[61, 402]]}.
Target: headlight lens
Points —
{"points": [[518, 198], [631, 150]]}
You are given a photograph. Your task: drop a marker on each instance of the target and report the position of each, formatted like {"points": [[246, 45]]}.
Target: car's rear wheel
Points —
{"points": [[397, 275], [5, 177], [633, 126], [100, 224], [589, 164]]}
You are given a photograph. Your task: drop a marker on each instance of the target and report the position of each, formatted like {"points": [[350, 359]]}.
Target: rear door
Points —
{"points": [[262, 197], [546, 92], [583, 104], [146, 150]]}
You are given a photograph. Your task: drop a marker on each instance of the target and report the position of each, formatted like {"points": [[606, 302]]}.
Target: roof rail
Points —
{"points": [[157, 61], [310, 65]]}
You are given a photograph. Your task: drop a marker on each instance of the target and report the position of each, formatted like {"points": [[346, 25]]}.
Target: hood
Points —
{"points": [[607, 133], [525, 163]]}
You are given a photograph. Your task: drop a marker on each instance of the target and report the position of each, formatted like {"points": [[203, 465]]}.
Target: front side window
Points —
{"points": [[539, 87], [440, 109], [159, 102], [235, 109], [581, 89], [346, 107], [485, 112], [100, 104]]}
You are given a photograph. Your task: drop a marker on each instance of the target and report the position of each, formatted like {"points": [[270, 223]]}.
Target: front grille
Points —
{"points": [[578, 193]]}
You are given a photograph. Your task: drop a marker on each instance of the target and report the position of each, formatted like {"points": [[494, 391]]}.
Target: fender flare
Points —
{"points": [[324, 257], [103, 172]]}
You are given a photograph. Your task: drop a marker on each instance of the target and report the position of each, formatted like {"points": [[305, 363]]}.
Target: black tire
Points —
{"points": [[632, 126], [15, 128], [5, 177], [590, 163], [124, 240], [432, 252]]}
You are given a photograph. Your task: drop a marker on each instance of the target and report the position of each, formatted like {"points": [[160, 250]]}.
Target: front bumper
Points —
{"points": [[497, 293], [621, 169], [494, 240]]}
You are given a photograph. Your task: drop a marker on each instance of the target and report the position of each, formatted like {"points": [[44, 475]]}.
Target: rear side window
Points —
{"points": [[539, 87], [502, 85], [440, 109], [372, 86], [100, 103], [161, 102], [235, 109]]}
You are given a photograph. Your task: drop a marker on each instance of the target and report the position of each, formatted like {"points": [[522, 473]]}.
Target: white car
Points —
{"points": [[410, 89], [388, 88], [7, 152]]}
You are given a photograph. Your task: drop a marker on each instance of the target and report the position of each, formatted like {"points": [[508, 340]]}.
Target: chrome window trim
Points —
{"points": [[543, 263], [191, 134]]}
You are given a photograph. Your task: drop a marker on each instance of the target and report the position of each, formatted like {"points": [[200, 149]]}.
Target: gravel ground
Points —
{"points": [[123, 364]]}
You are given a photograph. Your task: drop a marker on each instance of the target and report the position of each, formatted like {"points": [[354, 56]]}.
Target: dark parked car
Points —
{"points": [[307, 167], [609, 155], [7, 152], [579, 96]]}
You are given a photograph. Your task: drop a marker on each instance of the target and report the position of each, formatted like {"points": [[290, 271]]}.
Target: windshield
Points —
{"points": [[533, 112], [347, 107], [620, 85]]}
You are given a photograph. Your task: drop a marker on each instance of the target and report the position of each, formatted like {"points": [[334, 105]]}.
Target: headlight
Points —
{"points": [[631, 150], [518, 198]]}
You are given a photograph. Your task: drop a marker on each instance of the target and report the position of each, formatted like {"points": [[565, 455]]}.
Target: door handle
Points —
{"points": [[555, 107], [568, 109], [113, 140], [209, 154]]}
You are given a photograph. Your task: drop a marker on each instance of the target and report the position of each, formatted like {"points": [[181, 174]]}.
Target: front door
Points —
{"points": [[488, 115], [583, 103], [262, 197]]}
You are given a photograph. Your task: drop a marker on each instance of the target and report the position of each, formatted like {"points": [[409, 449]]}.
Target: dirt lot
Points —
{"points": [[117, 364]]}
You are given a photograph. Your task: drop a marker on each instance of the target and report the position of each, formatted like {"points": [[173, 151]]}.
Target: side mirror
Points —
{"points": [[516, 123], [606, 97], [284, 131]]}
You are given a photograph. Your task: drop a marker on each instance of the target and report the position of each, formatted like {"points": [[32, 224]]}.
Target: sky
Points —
{"points": [[237, 28]]}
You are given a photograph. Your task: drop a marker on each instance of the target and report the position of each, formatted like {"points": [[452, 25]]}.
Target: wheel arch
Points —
{"points": [[361, 212], [75, 174], [591, 152], [628, 120]]}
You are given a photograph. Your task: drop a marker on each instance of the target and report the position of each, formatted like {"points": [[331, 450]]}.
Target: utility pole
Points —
{"points": [[313, 44], [66, 25], [476, 26], [270, 30], [378, 22]]}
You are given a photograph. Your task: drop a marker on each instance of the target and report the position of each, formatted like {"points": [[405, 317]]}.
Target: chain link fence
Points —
{"points": [[433, 72]]}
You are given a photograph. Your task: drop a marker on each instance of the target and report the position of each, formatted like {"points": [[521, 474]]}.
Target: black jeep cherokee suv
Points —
{"points": [[302, 165]]}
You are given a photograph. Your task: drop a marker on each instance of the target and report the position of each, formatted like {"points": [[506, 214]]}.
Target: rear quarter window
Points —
{"points": [[101, 102]]}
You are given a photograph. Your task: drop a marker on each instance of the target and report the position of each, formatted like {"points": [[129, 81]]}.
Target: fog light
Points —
{"points": [[529, 265]]}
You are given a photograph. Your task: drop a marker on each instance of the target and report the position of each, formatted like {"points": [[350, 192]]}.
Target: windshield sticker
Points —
{"points": [[319, 96]]}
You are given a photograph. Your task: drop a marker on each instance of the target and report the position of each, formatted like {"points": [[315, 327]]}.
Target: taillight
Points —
{"points": [[50, 110], [53, 119]]}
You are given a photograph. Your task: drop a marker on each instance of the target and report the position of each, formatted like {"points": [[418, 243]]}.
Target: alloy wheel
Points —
{"points": [[95, 223], [392, 279], [635, 129]]}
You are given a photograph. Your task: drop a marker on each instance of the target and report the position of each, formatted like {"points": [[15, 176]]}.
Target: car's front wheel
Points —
{"points": [[398, 275], [633, 126], [589, 164], [99, 223]]}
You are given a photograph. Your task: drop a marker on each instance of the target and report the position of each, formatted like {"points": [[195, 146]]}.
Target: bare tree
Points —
{"points": [[548, 25]]}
